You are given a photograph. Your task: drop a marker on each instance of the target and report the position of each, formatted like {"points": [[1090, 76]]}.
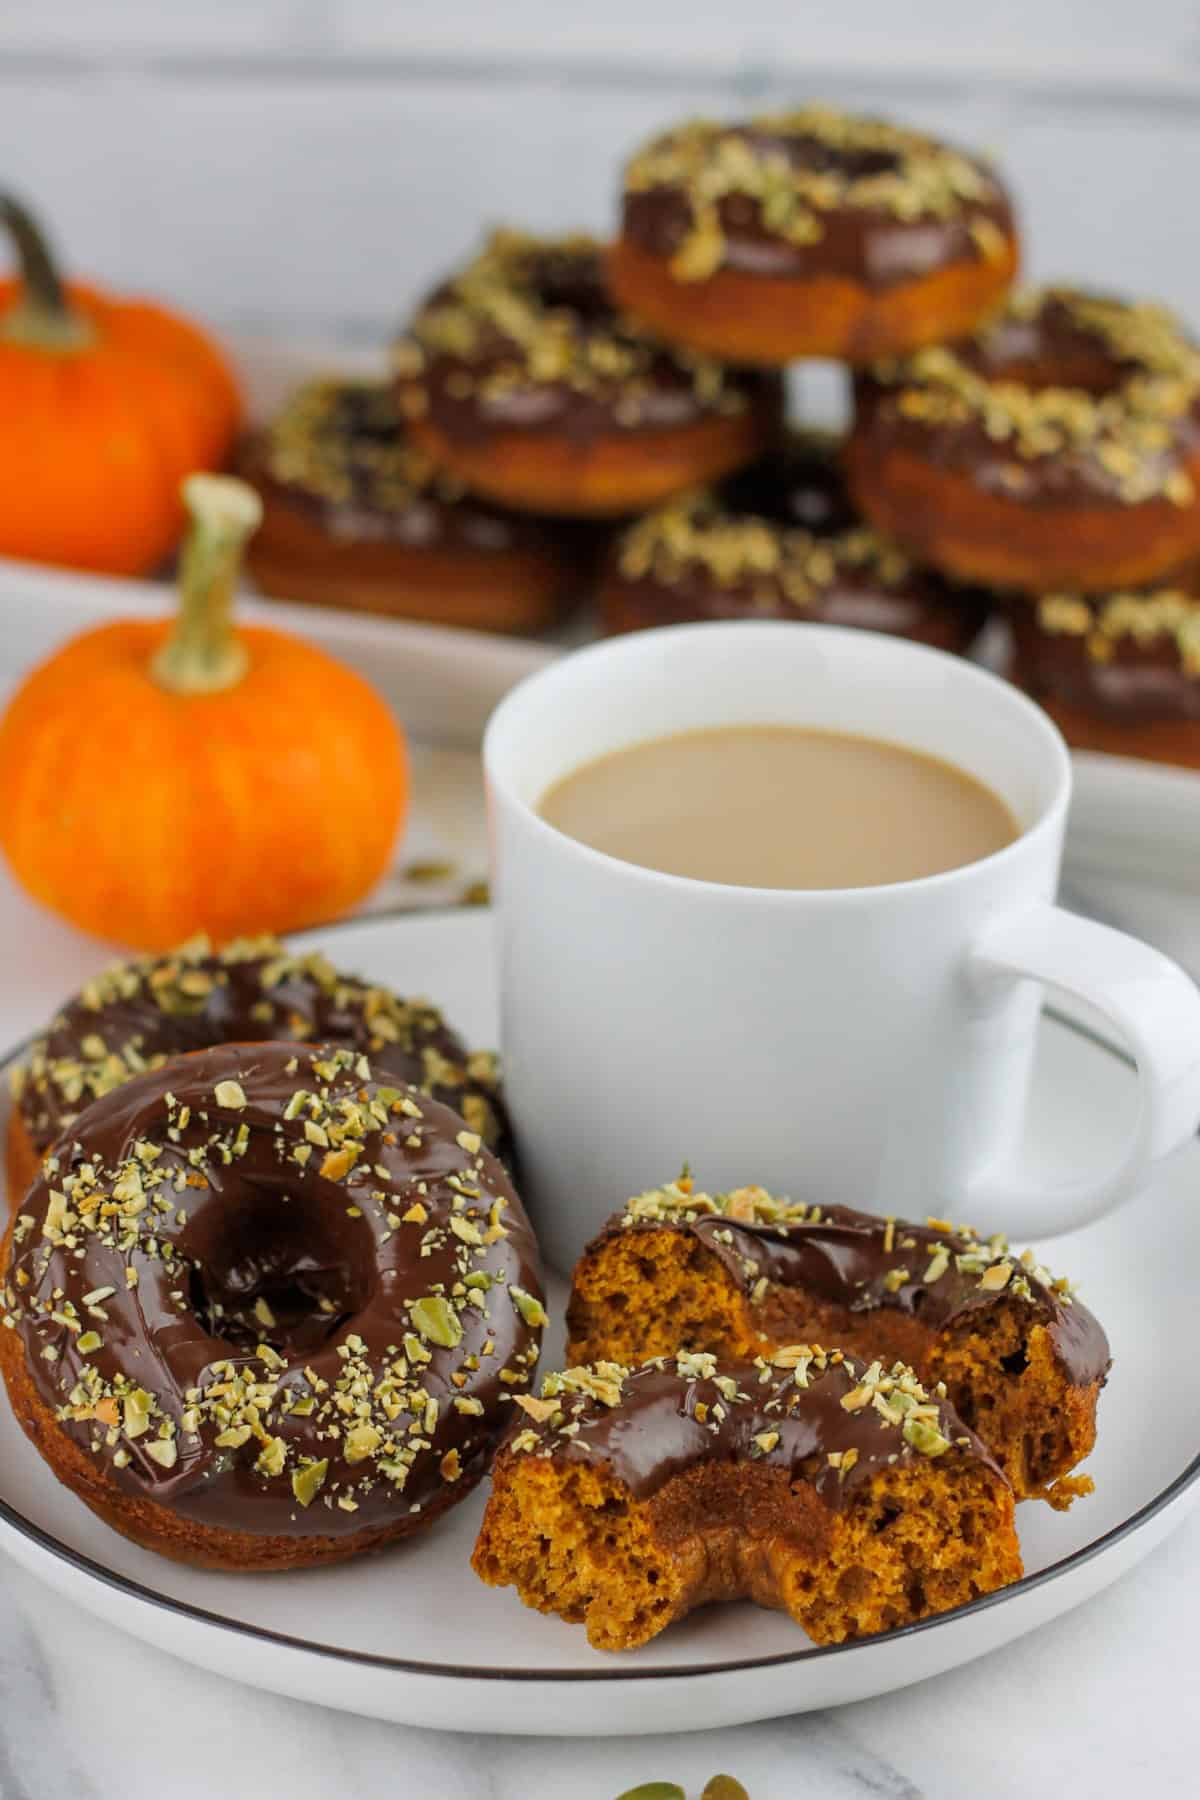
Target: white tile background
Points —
{"points": [[304, 166]]}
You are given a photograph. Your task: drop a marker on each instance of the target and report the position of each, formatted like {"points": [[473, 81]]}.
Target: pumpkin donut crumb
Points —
{"points": [[741, 1274], [847, 1495]]}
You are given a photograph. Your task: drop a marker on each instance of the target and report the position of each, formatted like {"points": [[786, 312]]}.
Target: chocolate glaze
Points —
{"points": [[138, 1014], [1049, 347], [670, 390], [870, 246], [364, 485], [653, 1433], [838, 1255], [229, 1217], [798, 492], [1139, 680]]}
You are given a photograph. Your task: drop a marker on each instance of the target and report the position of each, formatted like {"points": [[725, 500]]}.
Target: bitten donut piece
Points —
{"points": [[137, 1014], [265, 1310], [354, 515], [810, 233], [780, 540], [1058, 446], [847, 1496], [1023, 1360], [520, 378], [1116, 672]]}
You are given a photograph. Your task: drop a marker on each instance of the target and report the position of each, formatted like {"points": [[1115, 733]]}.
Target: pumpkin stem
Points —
{"points": [[42, 317], [203, 654]]}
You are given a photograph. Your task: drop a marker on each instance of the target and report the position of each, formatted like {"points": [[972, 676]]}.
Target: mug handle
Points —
{"points": [[1154, 1005]]}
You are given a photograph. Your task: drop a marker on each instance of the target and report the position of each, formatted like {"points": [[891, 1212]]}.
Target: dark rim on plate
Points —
{"points": [[136, 1590]]}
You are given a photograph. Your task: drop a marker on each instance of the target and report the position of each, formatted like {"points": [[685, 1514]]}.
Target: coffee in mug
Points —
{"points": [[778, 806], [869, 1046]]}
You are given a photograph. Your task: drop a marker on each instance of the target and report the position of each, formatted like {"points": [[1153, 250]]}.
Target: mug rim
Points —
{"points": [[614, 648]]}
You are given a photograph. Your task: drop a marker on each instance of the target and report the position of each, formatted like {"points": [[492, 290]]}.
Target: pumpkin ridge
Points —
{"points": [[145, 815], [108, 415]]}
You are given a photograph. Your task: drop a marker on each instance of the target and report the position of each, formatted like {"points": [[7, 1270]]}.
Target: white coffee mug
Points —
{"points": [[870, 1046]]}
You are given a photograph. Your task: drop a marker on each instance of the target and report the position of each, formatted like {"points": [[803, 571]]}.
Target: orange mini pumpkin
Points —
{"points": [[161, 778], [105, 405]]}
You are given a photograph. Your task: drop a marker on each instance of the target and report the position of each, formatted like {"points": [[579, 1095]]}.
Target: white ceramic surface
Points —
{"points": [[647, 1019], [414, 1637]]}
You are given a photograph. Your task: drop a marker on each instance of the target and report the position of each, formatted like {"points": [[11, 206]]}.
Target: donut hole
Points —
{"points": [[363, 413], [812, 153], [797, 487], [563, 282], [815, 154], [1084, 371], [280, 1269], [1050, 352]]}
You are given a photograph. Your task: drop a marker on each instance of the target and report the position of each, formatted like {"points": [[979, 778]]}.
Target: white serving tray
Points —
{"points": [[413, 1636]]}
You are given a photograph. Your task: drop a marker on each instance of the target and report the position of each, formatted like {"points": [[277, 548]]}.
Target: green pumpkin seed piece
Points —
{"points": [[307, 1482], [529, 1307], [925, 1437], [437, 1320]]}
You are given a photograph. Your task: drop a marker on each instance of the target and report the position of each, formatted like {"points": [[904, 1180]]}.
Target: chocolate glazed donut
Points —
{"points": [[811, 233], [267, 1311], [355, 516], [1057, 447], [1118, 673], [519, 377], [135, 1015], [842, 1493], [744, 1273], [781, 540]]}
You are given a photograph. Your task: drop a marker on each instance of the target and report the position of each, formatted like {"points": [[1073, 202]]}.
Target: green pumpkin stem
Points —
{"points": [[203, 654], [43, 317]]}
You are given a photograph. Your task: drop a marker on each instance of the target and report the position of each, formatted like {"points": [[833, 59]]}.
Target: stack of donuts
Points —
{"points": [[1032, 452]]}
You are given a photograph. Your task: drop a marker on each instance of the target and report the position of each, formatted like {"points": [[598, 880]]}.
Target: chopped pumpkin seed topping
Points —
{"points": [[374, 1362], [867, 1417], [797, 168], [986, 1264], [129, 1019], [1145, 619], [533, 312], [740, 550], [343, 442], [1125, 436]]}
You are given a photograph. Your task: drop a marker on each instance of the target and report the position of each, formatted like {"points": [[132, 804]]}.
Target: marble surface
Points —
{"points": [[1100, 1704]]}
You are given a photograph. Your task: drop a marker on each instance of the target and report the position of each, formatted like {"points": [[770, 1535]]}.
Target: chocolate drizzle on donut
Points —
{"points": [[1131, 658], [273, 1293], [136, 1015], [862, 1262], [525, 339], [337, 451], [1063, 397], [823, 1416], [813, 192], [781, 539]]}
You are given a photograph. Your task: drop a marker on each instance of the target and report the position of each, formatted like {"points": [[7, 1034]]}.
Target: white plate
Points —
{"points": [[1133, 849], [413, 1636]]}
